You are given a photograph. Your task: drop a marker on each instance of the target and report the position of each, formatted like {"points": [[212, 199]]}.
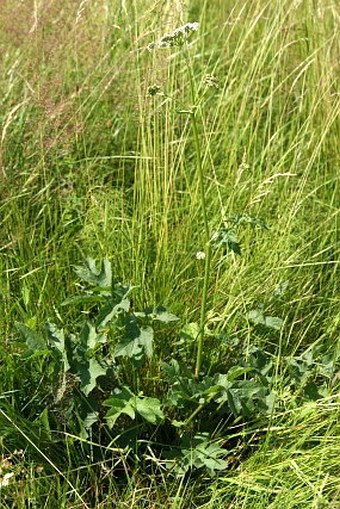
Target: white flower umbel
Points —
{"points": [[176, 38]]}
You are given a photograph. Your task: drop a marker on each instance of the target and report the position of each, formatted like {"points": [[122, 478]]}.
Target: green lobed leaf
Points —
{"points": [[98, 277], [83, 299], [90, 419], [227, 239], [199, 452], [112, 310], [280, 289], [34, 341], [274, 322], [88, 372], [159, 313], [57, 341], [257, 317], [190, 331], [125, 402], [89, 337], [149, 409], [255, 222], [138, 341], [120, 403]]}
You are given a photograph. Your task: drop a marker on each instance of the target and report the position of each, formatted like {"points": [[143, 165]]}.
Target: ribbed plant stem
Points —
{"points": [[205, 288], [207, 250]]}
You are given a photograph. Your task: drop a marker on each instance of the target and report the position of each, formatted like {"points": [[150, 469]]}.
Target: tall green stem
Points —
{"points": [[203, 313], [207, 250]]}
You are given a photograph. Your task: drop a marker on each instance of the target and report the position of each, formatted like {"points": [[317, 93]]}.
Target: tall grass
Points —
{"points": [[92, 165]]}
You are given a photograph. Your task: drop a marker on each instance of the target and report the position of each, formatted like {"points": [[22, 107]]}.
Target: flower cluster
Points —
{"points": [[210, 81], [176, 38]]}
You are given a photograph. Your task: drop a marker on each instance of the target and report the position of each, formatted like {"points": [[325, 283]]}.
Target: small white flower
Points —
{"points": [[200, 255]]}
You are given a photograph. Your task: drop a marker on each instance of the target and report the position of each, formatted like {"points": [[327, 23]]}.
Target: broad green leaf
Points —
{"points": [[190, 331], [199, 452], [171, 371], [257, 317], [149, 409], [98, 277], [57, 341], [234, 402], [125, 402], [237, 371], [127, 348], [88, 373], [159, 313], [227, 239], [121, 403], [83, 299], [34, 342], [138, 341], [210, 455], [111, 311], [281, 288], [56, 337], [88, 422], [89, 337], [90, 419], [44, 424], [239, 219], [273, 322], [146, 340], [247, 397]]}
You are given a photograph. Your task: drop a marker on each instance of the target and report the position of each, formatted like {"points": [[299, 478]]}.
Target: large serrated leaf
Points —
{"points": [[111, 311], [34, 342], [255, 222], [83, 299], [228, 239], [149, 409], [199, 452], [125, 402], [89, 337], [257, 317], [120, 403], [159, 313], [274, 322], [138, 341], [247, 398], [90, 419], [88, 373], [57, 341], [190, 331], [98, 277]]}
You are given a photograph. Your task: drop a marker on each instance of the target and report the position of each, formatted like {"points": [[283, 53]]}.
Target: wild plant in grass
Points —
{"points": [[106, 364], [108, 389], [108, 361]]}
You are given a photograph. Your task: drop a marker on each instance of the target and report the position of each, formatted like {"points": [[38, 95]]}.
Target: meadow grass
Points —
{"points": [[93, 165]]}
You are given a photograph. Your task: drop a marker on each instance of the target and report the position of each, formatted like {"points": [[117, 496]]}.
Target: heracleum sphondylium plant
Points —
{"points": [[294, 116], [179, 38]]}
